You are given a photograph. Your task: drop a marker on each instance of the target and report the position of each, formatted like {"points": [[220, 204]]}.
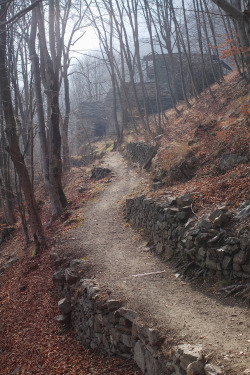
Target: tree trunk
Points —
{"points": [[13, 144]]}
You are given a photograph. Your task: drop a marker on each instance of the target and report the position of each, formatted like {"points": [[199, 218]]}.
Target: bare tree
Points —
{"points": [[12, 138]]}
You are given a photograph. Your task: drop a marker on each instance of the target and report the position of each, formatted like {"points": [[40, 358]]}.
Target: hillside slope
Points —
{"points": [[205, 149]]}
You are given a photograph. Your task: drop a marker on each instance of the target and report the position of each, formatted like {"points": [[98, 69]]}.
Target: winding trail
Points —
{"points": [[162, 300]]}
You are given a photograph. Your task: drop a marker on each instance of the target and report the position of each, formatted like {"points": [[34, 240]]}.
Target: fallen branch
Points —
{"points": [[148, 273]]}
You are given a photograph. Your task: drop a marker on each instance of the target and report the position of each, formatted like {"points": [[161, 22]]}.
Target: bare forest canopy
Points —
{"points": [[73, 67]]}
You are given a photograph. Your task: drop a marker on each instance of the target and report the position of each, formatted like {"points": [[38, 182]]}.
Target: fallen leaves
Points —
{"points": [[31, 341]]}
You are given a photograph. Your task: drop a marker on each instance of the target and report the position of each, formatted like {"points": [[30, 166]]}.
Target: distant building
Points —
{"points": [[169, 72], [95, 117]]}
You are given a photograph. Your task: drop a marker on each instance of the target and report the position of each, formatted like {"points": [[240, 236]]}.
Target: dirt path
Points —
{"points": [[162, 300]]}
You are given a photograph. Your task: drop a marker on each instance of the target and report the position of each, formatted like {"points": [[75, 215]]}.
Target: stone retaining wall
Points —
{"points": [[142, 153], [174, 230], [106, 325]]}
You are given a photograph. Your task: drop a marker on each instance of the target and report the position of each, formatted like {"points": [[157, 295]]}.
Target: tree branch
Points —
{"points": [[231, 10], [21, 13]]}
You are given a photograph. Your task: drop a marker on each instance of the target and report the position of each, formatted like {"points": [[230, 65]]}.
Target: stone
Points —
{"points": [[245, 242], [227, 263], [127, 340], [125, 322], [201, 238], [171, 201], [221, 220], [128, 314], [115, 336], [113, 305], [187, 353], [240, 257], [154, 337], [159, 248], [190, 223], [182, 216], [76, 262], [62, 319], [170, 211], [184, 200], [211, 264], [232, 240], [228, 161], [98, 173], [243, 212], [152, 365], [71, 276], [204, 223], [92, 291], [219, 217], [139, 356], [246, 268], [211, 369], [59, 277], [215, 238], [64, 306]]}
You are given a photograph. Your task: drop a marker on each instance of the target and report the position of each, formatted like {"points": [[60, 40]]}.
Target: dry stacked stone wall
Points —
{"points": [[207, 242], [104, 324], [141, 152]]}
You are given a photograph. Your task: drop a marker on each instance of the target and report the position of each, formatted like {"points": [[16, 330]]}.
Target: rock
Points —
{"points": [[152, 365], [182, 216], [228, 161], [227, 263], [128, 314], [197, 367], [139, 356], [232, 241], [64, 306], [240, 257], [171, 201], [243, 212], [113, 305], [217, 213], [71, 276], [204, 223], [245, 242], [62, 319], [75, 263], [99, 173], [184, 200], [211, 369], [59, 277], [187, 353], [154, 337], [92, 291], [127, 340], [211, 264], [190, 223], [246, 268]]}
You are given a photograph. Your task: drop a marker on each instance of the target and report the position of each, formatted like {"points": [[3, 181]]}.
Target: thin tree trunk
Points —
{"points": [[13, 144]]}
